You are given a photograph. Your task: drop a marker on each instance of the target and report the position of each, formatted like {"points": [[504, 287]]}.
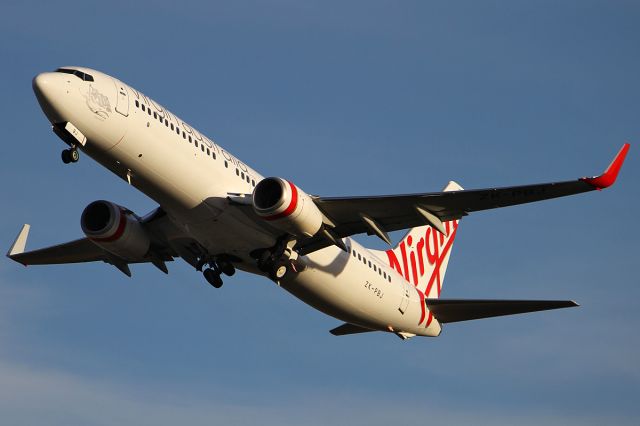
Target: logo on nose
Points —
{"points": [[97, 102]]}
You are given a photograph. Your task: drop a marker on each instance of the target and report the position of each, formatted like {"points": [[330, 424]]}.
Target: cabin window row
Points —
{"points": [[188, 137], [371, 265]]}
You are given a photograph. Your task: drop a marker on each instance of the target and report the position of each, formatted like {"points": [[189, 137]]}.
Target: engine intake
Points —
{"points": [[287, 207], [115, 229]]}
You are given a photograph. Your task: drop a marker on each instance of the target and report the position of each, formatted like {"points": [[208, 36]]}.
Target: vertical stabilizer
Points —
{"points": [[423, 254]]}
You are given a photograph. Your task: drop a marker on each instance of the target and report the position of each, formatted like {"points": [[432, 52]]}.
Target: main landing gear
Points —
{"points": [[277, 261], [70, 155], [213, 277], [216, 268]]}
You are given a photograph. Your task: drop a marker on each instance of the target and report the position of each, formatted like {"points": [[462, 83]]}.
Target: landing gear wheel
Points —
{"points": [[74, 155], [70, 155], [227, 268], [281, 271], [66, 157], [213, 277]]}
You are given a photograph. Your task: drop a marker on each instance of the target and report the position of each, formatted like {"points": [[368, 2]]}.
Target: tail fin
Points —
{"points": [[423, 254]]}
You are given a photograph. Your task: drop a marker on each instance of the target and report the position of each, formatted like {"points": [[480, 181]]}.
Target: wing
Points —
{"points": [[84, 250], [381, 214], [77, 251]]}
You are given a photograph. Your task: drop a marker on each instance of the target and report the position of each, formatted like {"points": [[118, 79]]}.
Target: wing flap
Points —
{"points": [[455, 310]]}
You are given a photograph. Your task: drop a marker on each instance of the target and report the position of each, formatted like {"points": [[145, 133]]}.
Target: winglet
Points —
{"points": [[20, 243], [609, 176]]}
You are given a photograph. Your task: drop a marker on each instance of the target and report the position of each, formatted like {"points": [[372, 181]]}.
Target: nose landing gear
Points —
{"points": [[70, 155]]}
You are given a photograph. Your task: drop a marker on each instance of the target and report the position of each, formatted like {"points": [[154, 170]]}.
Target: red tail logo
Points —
{"points": [[422, 263], [425, 258]]}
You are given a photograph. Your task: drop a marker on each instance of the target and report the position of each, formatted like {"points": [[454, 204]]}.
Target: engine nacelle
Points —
{"points": [[115, 229], [287, 207]]}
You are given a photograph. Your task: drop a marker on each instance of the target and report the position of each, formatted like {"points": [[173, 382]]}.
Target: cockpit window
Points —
{"points": [[81, 75]]}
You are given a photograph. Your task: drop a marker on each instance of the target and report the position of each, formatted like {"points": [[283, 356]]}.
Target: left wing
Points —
{"points": [[84, 250], [77, 251], [381, 214]]}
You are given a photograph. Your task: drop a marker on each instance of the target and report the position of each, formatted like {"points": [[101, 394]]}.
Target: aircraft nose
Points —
{"points": [[43, 84], [48, 88]]}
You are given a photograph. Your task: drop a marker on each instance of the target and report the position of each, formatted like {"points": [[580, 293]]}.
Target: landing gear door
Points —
{"points": [[122, 102]]}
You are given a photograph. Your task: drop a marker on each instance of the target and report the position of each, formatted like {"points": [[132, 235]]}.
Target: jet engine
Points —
{"points": [[115, 229], [287, 207]]}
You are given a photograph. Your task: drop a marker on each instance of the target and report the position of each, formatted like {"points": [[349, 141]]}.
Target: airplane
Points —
{"points": [[218, 215]]}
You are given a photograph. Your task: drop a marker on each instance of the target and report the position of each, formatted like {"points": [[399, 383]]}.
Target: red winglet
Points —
{"points": [[609, 176]]}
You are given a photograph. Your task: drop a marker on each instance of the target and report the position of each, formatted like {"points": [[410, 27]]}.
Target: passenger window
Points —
{"points": [[226, 164], [359, 258], [375, 268], [237, 172], [248, 180], [253, 182], [172, 126], [242, 175], [213, 154], [201, 147], [190, 139], [137, 104], [184, 135], [369, 262], [166, 122], [155, 115], [149, 111], [208, 152], [143, 107], [177, 131]]}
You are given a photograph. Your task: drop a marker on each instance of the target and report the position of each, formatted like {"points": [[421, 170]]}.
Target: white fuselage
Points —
{"points": [[191, 177]]}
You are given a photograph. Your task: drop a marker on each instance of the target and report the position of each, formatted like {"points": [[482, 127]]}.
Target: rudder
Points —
{"points": [[422, 256]]}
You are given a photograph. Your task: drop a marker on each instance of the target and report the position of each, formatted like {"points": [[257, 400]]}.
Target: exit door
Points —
{"points": [[122, 102], [404, 301]]}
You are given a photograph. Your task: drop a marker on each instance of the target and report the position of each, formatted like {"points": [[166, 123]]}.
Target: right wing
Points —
{"points": [[382, 214]]}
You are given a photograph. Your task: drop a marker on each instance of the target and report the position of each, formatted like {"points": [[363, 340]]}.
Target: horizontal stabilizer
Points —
{"points": [[348, 328], [453, 310]]}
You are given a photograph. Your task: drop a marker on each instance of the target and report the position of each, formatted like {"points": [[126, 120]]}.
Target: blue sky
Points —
{"points": [[344, 98]]}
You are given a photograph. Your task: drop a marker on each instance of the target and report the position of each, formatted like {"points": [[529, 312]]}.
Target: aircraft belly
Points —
{"points": [[228, 234], [189, 189]]}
